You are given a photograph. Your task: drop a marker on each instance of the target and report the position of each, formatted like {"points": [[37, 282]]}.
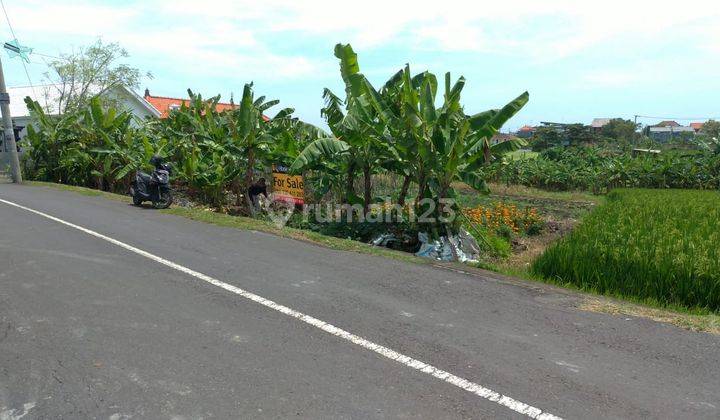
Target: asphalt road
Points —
{"points": [[89, 329]]}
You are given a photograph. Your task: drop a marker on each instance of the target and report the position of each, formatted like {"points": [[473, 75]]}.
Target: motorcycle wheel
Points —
{"points": [[136, 200], [165, 201]]}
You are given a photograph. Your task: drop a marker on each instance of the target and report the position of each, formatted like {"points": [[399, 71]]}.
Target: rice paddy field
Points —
{"points": [[660, 246]]}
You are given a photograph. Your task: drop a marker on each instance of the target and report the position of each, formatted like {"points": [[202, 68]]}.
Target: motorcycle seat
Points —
{"points": [[144, 176]]}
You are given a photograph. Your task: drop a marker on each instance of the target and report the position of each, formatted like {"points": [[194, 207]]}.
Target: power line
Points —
{"points": [[12, 31], [676, 118], [2, 3], [46, 55]]}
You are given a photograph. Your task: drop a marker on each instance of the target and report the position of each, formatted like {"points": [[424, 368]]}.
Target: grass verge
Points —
{"points": [[698, 320], [80, 190], [709, 323]]}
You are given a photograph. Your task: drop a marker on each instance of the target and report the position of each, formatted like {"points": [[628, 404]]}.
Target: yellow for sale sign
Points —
{"points": [[288, 185]]}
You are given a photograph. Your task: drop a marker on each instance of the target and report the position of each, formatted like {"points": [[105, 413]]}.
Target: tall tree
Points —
{"points": [[78, 76], [711, 128], [620, 129]]}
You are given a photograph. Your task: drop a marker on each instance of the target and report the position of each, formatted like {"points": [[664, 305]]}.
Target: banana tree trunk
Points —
{"points": [[99, 179], [443, 210], [350, 184], [251, 165], [404, 190], [486, 152], [237, 189], [249, 180], [367, 193], [422, 183]]}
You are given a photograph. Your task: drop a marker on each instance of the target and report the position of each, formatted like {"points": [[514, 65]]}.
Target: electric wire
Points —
{"points": [[12, 31]]}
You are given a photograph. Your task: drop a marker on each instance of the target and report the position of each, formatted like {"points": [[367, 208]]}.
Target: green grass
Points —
{"points": [[656, 246], [80, 190]]}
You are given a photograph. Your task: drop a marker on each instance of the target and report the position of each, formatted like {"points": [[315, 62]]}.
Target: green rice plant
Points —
{"points": [[598, 170], [659, 246]]}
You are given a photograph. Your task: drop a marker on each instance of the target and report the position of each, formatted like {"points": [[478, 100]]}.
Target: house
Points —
{"points": [[165, 104], [670, 133], [525, 132], [598, 123], [667, 123], [697, 126], [48, 97]]}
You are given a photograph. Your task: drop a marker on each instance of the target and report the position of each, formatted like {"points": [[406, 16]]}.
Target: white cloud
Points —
{"points": [[240, 33], [49, 17], [198, 43], [612, 78], [550, 29]]}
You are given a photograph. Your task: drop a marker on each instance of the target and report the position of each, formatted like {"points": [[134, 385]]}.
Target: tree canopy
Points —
{"points": [[93, 69]]}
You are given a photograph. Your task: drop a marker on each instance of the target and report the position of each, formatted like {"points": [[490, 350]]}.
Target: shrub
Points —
{"points": [[598, 170]]}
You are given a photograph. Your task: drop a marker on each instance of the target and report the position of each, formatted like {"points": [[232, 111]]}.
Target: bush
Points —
{"points": [[598, 170], [659, 245]]}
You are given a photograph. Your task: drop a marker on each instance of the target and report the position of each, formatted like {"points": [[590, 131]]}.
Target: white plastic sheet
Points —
{"points": [[461, 247]]}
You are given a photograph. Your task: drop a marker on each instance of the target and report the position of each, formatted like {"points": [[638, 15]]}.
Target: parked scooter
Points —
{"points": [[153, 187]]}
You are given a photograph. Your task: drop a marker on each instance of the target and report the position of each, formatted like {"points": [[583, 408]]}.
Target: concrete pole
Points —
{"points": [[9, 133]]}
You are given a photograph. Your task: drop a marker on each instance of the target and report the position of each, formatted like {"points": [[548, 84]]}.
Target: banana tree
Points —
{"points": [[69, 148], [46, 142], [253, 134], [133, 152], [445, 143], [200, 147], [290, 137], [104, 128], [359, 142]]}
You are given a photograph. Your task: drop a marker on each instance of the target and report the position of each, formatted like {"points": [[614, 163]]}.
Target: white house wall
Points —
{"points": [[132, 103]]}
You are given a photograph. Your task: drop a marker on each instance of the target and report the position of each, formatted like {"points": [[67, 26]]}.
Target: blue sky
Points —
{"points": [[578, 59]]}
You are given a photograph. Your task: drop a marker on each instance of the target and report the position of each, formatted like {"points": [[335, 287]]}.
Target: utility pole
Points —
{"points": [[9, 133], [635, 139]]}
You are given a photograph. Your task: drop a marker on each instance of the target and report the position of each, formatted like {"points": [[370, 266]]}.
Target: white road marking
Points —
{"points": [[477, 389], [7, 414], [568, 366]]}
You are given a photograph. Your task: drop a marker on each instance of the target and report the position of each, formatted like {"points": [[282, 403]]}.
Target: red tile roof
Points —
{"points": [[697, 126], [667, 123], [526, 128], [163, 104]]}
